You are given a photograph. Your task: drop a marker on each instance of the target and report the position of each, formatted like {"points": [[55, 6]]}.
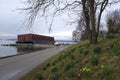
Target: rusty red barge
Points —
{"points": [[35, 39]]}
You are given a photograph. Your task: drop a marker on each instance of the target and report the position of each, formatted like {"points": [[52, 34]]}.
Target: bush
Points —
{"points": [[81, 50], [71, 55], [72, 73], [53, 69], [85, 52], [68, 66], [54, 63], [113, 44], [107, 71], [64, 56], [54, 75], [116, 50], [44, 68], [60, 57], [94, 61], [38, 76], [87, 74], [73, 49], [97, 50], [48, 64], [110, 36]]}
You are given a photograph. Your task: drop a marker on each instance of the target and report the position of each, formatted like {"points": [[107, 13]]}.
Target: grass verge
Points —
{"points": [[82, 62]]}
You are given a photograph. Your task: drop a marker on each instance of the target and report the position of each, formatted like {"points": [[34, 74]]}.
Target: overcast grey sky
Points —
{"points": [[11, 22]]}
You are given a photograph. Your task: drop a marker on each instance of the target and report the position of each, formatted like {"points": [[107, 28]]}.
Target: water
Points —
{"points": [[7, 50], [14, 50], [65, 42]]}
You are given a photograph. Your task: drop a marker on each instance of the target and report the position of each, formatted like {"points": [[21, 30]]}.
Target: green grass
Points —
{"points": [[82, 62]]}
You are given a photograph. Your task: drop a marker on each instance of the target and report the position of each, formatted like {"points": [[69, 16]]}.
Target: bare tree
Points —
{"points": [[92, 10], [113, 21], [80, 33], [76, 35]]}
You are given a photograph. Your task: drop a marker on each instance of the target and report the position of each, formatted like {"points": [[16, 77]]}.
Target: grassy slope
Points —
{"points": [[82, 62]]}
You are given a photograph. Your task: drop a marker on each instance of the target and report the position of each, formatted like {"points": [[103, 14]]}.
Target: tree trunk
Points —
{"points": [[103, 6], [92, 21], [98, 26], [87, 19]]}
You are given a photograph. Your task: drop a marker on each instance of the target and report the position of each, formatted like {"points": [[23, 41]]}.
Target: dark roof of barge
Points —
{"points": [[36, 34]]}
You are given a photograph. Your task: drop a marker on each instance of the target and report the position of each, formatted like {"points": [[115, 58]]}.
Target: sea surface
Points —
{"points": [[14, 50]]}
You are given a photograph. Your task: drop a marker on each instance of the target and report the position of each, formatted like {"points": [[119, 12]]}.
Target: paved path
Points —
{"points": [[13, 68]]}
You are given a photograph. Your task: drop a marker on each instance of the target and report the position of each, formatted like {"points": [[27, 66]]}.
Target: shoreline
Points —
{"points": [[43, 47]]}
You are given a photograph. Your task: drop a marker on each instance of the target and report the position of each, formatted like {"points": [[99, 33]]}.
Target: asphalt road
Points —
{"points": [[13, 68]]}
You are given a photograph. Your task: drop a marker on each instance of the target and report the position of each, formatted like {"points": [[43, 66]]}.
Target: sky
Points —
{"points": [[11, 21]]}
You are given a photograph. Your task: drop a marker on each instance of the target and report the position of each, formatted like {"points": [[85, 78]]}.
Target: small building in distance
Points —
{"points": [[35, 39]]}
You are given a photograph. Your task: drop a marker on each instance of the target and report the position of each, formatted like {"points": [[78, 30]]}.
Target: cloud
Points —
{"points": [[7, 34], [66, 35]]}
